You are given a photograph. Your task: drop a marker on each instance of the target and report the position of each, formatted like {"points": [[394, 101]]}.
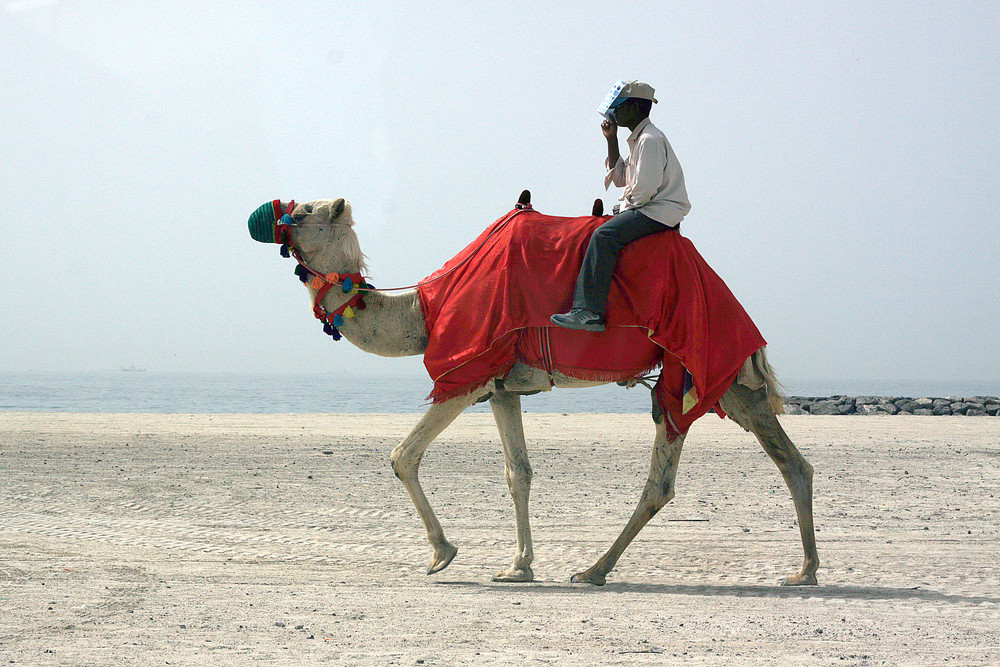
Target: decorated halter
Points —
{"points": [[269, 224]]}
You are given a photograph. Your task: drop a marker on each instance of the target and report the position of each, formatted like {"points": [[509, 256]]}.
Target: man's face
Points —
{"points": [[625, 114]]}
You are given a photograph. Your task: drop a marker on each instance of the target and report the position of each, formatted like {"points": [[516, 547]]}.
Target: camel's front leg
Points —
{"points": [[406, 461], [507, 413], [658, 491]]}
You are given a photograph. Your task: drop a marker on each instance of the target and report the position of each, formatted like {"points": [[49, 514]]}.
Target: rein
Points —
{"points": [[349, 283]]}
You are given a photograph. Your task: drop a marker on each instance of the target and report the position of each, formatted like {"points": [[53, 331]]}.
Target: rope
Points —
{"points": [[510, 216]]}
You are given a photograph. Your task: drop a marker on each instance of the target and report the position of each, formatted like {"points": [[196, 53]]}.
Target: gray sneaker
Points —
{"points": [[579, 318]]}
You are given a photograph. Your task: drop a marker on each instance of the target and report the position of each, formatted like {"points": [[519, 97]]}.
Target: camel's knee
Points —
{"points": [[667, 492], [519, 477], [664, 493], [798, 470], [656, 494], [404, 463]]}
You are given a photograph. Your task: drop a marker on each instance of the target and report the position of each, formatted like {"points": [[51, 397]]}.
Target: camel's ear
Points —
{"points": [[338, 209]]}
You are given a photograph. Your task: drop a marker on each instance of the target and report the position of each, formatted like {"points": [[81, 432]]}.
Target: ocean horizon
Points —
{"points": [[137, 391]]}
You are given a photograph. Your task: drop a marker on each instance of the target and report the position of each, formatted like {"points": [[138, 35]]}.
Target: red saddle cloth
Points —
{"points": [[489, 306]]}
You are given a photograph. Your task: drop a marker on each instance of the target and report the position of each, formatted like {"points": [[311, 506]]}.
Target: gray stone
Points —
{"points": [[872, 400], [906, 405], [825, 408]]}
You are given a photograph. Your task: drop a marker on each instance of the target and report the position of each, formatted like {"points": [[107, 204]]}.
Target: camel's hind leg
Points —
{"points": [[751, 409], [507, 413], [406, 461], [658, 491]]}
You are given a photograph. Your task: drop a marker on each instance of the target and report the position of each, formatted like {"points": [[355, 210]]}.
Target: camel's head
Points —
{"points": [[320, 231]]}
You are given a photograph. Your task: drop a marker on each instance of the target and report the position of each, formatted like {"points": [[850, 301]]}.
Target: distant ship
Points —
{"points": [[133, 369]]}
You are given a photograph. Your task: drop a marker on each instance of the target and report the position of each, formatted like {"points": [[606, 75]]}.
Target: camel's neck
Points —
{"points": [[391, 325]]}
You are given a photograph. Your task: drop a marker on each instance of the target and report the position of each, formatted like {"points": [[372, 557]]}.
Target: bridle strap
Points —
{"points": [[323, 284], [282, 231]]}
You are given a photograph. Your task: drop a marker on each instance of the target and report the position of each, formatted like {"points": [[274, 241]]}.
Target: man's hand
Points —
{"points": [[610, 129]]}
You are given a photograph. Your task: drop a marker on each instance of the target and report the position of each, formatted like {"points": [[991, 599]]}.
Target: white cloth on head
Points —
{"points": [[652, 177]]}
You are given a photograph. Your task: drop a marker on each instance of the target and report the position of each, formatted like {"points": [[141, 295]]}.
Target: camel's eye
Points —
{"points": [[301, 212]]}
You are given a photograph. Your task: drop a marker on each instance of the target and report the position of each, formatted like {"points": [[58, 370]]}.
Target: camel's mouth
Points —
{"points": [[267, 224]]}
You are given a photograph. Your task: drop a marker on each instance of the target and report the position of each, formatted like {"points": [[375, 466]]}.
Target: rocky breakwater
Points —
{"points": [[974, 406]]}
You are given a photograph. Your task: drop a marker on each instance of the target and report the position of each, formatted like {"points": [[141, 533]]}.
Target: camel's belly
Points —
{"points": [[528, 378]]}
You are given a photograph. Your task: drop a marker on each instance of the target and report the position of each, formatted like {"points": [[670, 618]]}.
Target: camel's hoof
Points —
{"points": [[514, 575], [443, 556], [588, 577], [800, 580]]}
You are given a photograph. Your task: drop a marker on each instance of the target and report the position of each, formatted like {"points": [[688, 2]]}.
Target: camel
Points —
{"points": [[391, 325]]}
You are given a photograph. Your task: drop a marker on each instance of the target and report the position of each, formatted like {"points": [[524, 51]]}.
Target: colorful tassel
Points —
{"points": [[331, 330], [347, 285], [285, 252], [338, 320], [348, 313]]}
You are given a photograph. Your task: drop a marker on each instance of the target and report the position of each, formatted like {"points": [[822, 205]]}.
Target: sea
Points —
{"points": [[137, 391]]}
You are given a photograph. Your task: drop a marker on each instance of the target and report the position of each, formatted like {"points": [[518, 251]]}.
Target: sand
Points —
{"points": [[228, 539]]}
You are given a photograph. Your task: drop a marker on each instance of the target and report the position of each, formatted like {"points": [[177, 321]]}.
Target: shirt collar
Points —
{"points": [[632, 138]]}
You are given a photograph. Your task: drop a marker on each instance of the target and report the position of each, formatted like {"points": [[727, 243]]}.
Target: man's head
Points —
{"points": [[628, 103]]}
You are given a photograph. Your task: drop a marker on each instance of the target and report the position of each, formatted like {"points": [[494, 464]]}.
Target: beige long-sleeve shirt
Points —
{"points": [[652, 177]]}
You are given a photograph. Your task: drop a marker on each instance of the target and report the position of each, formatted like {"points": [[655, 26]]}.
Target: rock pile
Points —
{"points": [[974, 406]]}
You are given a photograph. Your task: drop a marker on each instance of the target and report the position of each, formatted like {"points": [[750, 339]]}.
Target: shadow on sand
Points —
{"points": [[916, 594]]}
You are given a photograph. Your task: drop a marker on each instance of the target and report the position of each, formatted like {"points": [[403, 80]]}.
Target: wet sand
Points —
{"points": [[232, 539]]}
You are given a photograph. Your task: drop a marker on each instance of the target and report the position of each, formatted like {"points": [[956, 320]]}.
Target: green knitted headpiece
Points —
{"points": [[262, 222]]}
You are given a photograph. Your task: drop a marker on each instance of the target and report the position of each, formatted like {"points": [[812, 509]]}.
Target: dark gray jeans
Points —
{"points": [[594, 279]]}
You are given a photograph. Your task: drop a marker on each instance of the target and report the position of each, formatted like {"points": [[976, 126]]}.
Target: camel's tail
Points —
{"points": [[775, 392]]}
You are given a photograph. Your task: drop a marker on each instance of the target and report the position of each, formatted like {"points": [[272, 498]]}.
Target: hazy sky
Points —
{"points": [[841, 159]]}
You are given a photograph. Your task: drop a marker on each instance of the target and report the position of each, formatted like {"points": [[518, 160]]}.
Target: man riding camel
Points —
{"points": [[654, 200]]}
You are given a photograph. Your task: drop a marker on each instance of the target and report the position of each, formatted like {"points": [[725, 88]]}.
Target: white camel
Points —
{"points": [[392, 325]]}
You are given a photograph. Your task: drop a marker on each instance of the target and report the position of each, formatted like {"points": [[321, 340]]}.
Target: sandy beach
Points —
{"points": [[232, 539]]}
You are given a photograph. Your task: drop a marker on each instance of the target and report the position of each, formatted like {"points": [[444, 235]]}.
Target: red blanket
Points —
{"points": [[489, 306]]}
